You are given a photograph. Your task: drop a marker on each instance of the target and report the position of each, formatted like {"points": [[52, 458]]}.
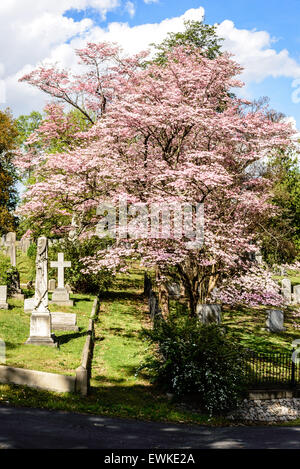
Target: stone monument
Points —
{"points": [[61, 295], [40, 321]]}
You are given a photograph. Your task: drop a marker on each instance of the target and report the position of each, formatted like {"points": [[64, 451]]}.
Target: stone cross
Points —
{"points": [[11, 244], [61, 265]]}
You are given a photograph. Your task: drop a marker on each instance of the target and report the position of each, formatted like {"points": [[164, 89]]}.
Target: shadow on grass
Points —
{"points": [[65, 338]]}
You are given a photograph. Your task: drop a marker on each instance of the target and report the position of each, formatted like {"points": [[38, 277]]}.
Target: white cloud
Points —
{"points": [[252, 49], [35, 31], [151, 1], [130, 8]]}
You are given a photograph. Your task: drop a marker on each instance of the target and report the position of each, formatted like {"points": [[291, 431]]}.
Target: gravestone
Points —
{"points": [[69, 289], [64, 322], [174, 290], [3, 297], [60, 295], [296, 290], [275, 320], [286, 290], [10, 243], [11, 248], [40, 321], [29, 305], [153, 305], [209, 313], [52, 284]]}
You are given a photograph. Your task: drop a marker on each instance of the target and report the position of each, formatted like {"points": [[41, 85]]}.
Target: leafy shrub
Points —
{"points": [[7, 272], [192, 358], [75, 251]]}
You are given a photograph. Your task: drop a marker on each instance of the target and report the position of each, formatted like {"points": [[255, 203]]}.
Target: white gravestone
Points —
{"points": [[64, 322], [275, 320], [209, 313], [297, 294], [3, 297], [40, 321], [60, 295], [52, 284], [286, 289]]}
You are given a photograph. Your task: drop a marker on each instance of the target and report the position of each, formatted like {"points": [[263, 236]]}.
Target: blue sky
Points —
{"points": [[263, 35], [280, 19]]}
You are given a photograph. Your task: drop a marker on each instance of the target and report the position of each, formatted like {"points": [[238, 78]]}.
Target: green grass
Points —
{"points": [[14, 331], [249, 326], [116, 390]]}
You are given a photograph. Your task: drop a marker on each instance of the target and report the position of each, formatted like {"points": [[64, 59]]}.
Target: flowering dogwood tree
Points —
{"points": [[158, 134]]}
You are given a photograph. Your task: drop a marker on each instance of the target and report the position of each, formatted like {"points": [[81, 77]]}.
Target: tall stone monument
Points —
{"points": [[61, 296], [10, 243], [40, 322]]}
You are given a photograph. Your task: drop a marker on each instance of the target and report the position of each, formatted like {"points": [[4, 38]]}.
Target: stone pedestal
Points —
{"points": [[40, 330], [61, 297]]}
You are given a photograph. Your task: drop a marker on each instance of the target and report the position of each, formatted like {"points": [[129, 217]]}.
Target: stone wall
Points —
{"points": [[267, 410]]}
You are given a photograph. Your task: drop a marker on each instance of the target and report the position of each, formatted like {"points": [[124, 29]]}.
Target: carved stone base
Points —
{"points": [[3, 305], [61, 297], [40, 330], [48, 341]]}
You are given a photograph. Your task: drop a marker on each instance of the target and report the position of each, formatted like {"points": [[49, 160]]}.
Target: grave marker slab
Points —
{"points": [[3, 297], [275, 320]]}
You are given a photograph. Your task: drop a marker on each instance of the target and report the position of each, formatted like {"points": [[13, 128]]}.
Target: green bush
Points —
{"points": [[196, 359], [7, 272], [75, 251]]}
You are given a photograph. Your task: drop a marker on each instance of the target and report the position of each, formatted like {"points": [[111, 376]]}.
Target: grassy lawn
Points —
{"points": [[14, 330], [116, 390], [249, 325]]}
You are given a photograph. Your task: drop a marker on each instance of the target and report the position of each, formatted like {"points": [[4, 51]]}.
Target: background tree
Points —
{"points": [[196, 35], [8, 176]]}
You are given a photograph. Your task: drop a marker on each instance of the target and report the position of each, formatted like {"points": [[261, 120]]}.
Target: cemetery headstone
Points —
{"points": [[3, 297], [60, 295], [40, 321], [153, 305], [209, 313], [29, 305], [174, 290], [297, 294], [64, 322], [275, 320], [52, 284], [286, 289]]}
